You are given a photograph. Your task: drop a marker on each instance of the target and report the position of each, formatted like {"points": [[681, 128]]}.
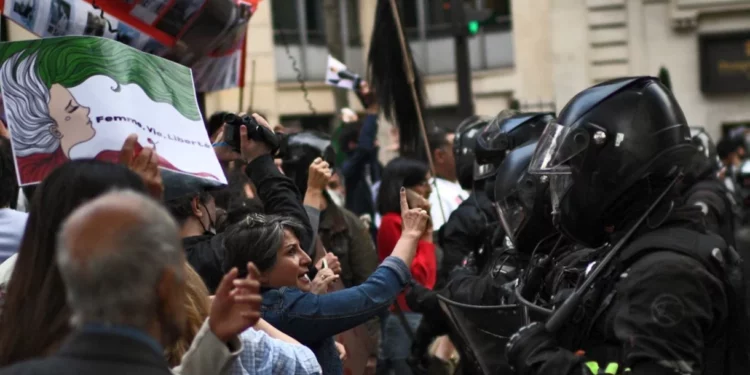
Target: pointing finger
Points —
{"points": [[404, 202]]}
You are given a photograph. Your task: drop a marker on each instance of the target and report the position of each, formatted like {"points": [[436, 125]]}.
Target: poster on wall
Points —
{"points": [[210, 42], [89, 106]]}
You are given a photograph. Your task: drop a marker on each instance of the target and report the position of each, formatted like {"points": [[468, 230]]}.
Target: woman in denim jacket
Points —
{"points": [[272, 243]]}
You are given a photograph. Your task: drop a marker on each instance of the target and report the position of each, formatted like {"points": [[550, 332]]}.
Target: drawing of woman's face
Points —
{"points": [[72, 119]]}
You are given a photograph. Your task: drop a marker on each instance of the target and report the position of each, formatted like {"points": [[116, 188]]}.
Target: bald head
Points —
{"points": [[112, 253], [96, 227]]}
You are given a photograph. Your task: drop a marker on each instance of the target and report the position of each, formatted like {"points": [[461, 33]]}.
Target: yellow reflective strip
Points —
{"points": [[627, 370], [611, 368], [593, 366]]}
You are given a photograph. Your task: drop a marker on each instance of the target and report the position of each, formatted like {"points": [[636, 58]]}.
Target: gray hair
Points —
{"points": [[26, 100], [256, 239], [119, 285]]}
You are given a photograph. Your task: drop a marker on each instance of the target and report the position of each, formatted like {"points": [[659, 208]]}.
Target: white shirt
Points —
{"points": [[451, 195], [12, 226]]}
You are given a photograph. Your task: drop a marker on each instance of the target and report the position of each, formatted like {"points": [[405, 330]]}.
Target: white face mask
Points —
{"points": [[337, 197]]}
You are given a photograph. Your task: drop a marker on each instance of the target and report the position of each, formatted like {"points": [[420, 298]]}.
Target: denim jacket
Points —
{"points": [[315, 319]]}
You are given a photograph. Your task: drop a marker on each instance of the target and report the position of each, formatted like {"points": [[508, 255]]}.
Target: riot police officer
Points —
{"points": [[481, 144], [466, 227], [662, 297], [704, 189]]}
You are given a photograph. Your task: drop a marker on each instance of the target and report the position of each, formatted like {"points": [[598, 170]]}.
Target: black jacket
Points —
{"points": [[96, 354], [467, 229], [280, 197], [361, 161], [205, 254]]}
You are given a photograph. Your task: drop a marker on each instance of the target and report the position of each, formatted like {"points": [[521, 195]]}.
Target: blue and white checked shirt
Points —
{"points": [[264, 355]]}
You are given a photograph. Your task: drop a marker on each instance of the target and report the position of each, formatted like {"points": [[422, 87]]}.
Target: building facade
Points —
{"points": [[551, 50], [539, 53]]}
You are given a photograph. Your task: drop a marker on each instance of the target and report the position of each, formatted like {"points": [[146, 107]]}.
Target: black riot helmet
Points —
{"points": [[463, 148], [298, 151], [508, 130], [522, 199], [613, 151]]}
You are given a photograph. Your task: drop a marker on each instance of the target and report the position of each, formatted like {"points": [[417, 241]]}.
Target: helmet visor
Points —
{"points": [[557, 145]]}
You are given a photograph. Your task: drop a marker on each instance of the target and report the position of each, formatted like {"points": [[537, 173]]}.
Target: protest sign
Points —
{"points": [[88, 105], [184, 31], [337, 74]]}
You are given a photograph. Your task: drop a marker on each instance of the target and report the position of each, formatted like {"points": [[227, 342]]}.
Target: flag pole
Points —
{"points": [[409, 67]]}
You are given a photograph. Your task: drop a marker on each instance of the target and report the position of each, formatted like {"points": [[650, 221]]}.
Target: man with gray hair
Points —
{"points": [[121, 259]]}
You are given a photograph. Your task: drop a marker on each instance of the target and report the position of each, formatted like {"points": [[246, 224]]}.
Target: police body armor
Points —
{"points": [[717, 197], [726, 354]]}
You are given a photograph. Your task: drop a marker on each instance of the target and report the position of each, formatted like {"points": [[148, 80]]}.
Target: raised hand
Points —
{"points": [[222, 150], [414, 220], [318, 175], [252, 149], [145, 165], [322, 280], [332, 262], [236, 305]]}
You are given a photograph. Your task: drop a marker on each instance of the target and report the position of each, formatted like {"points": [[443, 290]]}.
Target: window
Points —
{"points": [[409, 12], [286, 21], [502, 14], [315, 24], [300, 37], [352, 22], [501, 7]]}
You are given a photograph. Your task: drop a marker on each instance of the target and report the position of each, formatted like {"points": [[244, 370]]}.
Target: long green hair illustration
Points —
{"points": [[35, 73], [43, 115]]}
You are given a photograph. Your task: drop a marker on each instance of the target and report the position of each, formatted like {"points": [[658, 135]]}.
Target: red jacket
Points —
{"points": [[424, 266]]}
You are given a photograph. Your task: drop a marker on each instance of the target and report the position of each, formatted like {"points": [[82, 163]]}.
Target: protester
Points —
{"points": [[309, 318], [12, 222], [361, 169], [35, 294], [412, 174], [264, 349], [448, 192], [196, 214], [122, 265], [336, 188]]}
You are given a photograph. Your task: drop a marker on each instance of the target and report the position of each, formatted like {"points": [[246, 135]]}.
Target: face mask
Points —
{"points": [[337, 197]]}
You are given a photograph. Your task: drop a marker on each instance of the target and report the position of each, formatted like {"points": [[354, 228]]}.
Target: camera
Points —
{"points": [[255, 131]]}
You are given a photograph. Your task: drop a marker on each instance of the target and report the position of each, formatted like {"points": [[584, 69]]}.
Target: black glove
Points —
{"points": [[534, 351], [420, 299]]}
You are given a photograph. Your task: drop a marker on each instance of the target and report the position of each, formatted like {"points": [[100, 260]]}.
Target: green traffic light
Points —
{"points": [[473, 27]]}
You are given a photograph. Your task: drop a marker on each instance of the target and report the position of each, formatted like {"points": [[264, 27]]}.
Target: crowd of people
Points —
{"points": [[607, 238]]}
